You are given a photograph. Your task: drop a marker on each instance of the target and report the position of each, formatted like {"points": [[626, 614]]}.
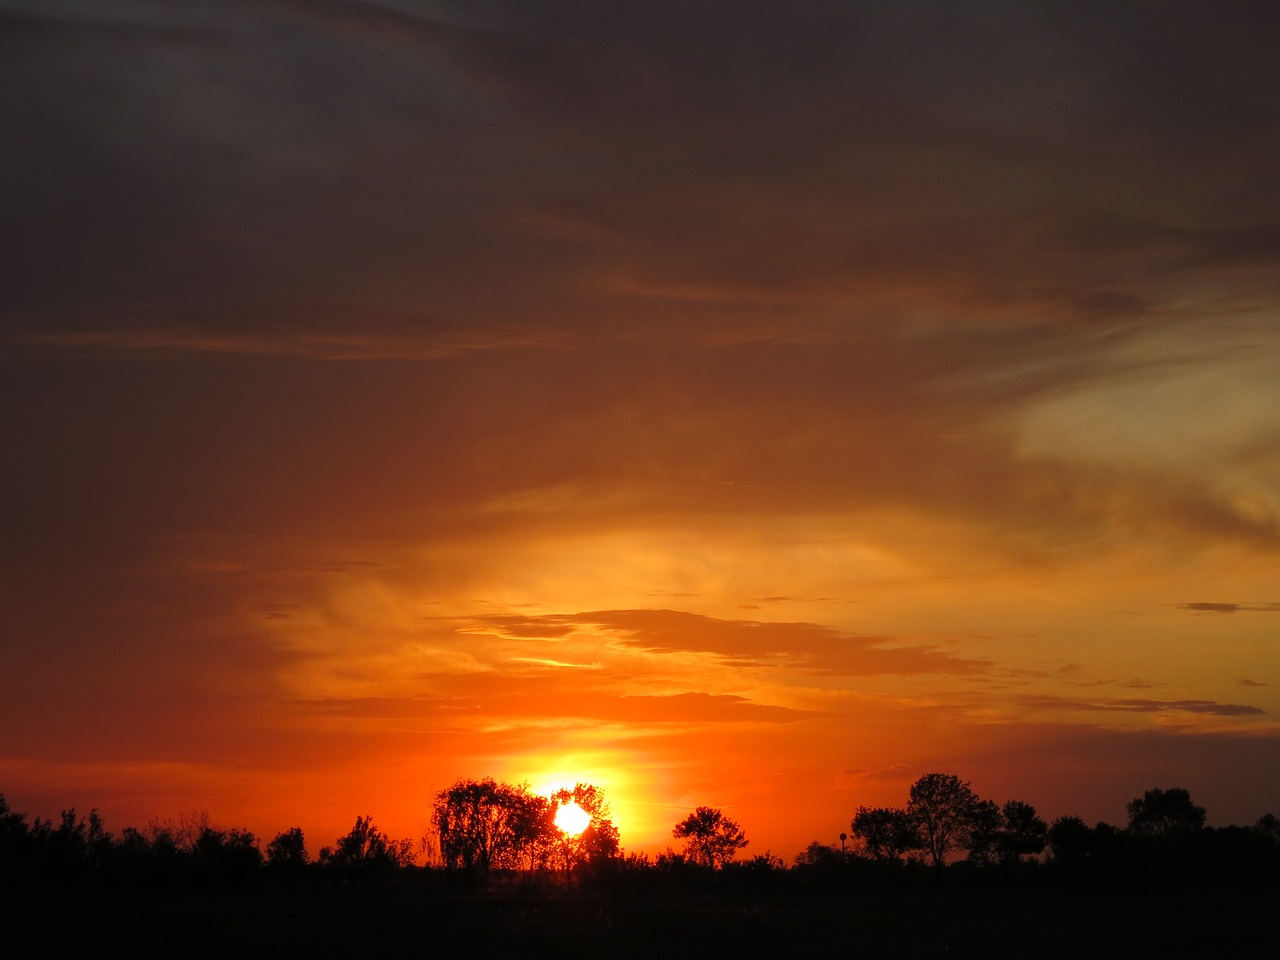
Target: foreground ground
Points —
{"points": [[414, 920]]}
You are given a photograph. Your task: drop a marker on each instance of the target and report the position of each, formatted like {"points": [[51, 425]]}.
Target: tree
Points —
{"points": [[710, 838], [229, 856], [885, 834], [1268, 827], [1024, 833], [985, 833], [942, 808], [477, 821], [532, 827], [1161, 815], [1070, 842], [598, 843], [484, 825], [73, 845], [15, 841], [367, 850], [820, 856], [287, 852]]}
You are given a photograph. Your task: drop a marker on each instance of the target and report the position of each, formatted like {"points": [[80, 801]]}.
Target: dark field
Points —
{"points": [[412, 920]]}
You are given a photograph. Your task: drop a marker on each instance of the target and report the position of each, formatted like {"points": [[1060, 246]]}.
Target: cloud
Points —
{"points": [[21, 31], [129, 340], [1189, 706], [1209, 707], [575, 704], [1207, 607], [808, 647], [559, 664], [322, 319], [891, 773]]}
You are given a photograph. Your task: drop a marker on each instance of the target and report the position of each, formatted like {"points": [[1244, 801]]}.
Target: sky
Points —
{"points": [[743, 404]]}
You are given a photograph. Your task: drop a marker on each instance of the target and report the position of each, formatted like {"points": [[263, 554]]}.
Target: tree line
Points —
{"points": [[946, 824], [484, 827]]}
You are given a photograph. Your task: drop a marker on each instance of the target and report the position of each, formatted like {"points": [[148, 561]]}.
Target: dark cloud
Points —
{"points": [[1207, 607], [1210, 707], [1202, 607], [1189, 706], [357, 154]]}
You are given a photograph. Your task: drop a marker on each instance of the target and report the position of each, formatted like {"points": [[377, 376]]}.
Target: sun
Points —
{"points": [[572, 819]]}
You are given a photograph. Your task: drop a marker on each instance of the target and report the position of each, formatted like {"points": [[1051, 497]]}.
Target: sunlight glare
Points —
{"points": [[572, 819]]}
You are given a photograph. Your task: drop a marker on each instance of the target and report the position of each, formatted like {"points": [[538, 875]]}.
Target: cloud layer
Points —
{"points": [[728, 403]]}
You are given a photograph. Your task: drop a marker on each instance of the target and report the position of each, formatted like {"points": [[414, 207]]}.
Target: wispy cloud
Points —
{"points": [[578, 705], [308, 346], [807, 647]]}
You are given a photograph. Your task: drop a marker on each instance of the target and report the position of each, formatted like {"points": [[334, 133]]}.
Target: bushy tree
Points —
{"points": [[820, 856], [711, 839], [984, 833], [366, 851], [942, 807], [821, 859], [595, 845], [482, 824], [531, 824], [1070, 841], [72, 845], [1267, 826], [226, 856], [1163, 814], [15, 843], [287, 853], [885, 834], [1004, 834], [1023, 834]]}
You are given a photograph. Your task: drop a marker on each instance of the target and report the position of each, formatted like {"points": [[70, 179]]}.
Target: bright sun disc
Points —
{"points": [[572, 819]]}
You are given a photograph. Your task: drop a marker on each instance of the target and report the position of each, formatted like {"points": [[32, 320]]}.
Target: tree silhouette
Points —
{"points": [[532, 828], [1163, 814], [226, 856], [366, 851], [1267, 826], [710, 838], [821, 857], [885, 834], [942, 807], [1070, 841], [1024, 834], [484, 825], [477, 821], [597, 843], [287, 852], [985, 830]]}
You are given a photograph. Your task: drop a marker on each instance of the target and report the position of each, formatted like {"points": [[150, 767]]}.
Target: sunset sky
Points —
{"points": [[755, 405]]}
